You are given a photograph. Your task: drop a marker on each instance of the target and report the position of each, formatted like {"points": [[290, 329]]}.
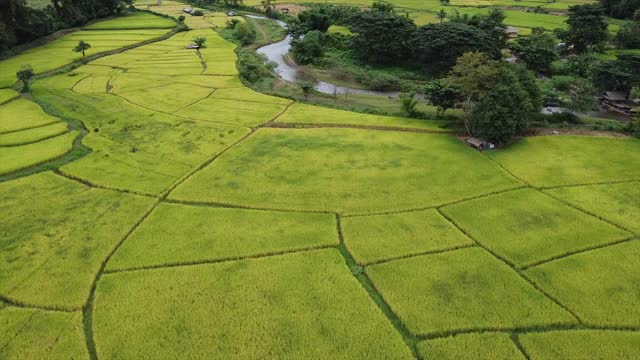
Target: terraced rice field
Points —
{"points": [[205, 220]]}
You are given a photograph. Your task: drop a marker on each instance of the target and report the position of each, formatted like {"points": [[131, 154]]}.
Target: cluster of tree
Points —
{"points": [[497, 98], [621, 9], [383, 37], [20, 23]]}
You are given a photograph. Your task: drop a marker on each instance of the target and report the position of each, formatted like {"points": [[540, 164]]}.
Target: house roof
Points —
{"points": [[615, 96]]}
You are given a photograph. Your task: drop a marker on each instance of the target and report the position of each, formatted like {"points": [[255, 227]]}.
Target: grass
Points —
{"points": [[304, 305], [601, 286], [314, 115], [23, 114], [570, 160], [37, 334], [380, 237], [58, 52], [301, 277], [533, 227], [617, 203], [461, 290], [351, 171], [481, 346], [134, 20], [16, 158], [33, 135], [598, 344], [53, 244], [179, 234], [7, 95]]}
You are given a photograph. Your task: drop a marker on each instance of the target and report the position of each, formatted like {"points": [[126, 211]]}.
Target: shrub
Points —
{"points": [[563, 82], [306, 50], [198, 13], [244, 33]]}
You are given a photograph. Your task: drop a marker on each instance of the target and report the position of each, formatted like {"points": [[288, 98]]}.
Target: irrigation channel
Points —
{"points": [[276, 53]]}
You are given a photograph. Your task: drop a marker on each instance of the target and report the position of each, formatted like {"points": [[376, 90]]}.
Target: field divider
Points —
{"points": [[48, 137], [586, 211], [87, 59], [528, 330], [589, 184], [25, 305], [519, 187], [30, 128], [359, 273], [222, 260], [576, 252], [516, 341], [96, 186], [301, 126], [514, 268], [197, 101], [423, 253], [274, 118], [216, 204], [175, 115], [87, 310]]}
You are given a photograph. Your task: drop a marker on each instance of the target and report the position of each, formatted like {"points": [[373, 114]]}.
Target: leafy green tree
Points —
{"points": [[436, 47], [474, 74], [268, 6], [504, 110], [383, 6], [587, 28], [628, 37], [443, 95], [200, 42], [620, 9], [181, 19], [306, 50], [316, 18], [306, 86], [491, 24], [25, 74], [536, 51], [620, 74], [408, 102], [244, 33], [581, 97], [442, 14], [381, 37], [82, 47]]}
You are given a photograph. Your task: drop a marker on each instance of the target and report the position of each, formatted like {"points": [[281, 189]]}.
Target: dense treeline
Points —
{"points": [[621, 9], [20, 24]]}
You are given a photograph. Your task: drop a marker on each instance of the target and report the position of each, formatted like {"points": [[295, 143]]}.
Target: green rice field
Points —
{"points": [[153, 206]]}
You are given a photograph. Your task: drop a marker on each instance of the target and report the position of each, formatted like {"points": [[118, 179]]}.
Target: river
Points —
{"points": [[276, 53]]}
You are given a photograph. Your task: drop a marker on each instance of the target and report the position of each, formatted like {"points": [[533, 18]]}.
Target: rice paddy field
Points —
{"points": [[155, 207]]}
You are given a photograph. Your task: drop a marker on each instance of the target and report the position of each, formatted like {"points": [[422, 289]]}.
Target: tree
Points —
{"points": [[536, 51], [620, 74], [504, 110], [442, 14], [443, 95], [474, 74], [628, 37], [581, 97], [25, 74], [381, 37], [620, 9], [492, 24], [269, 7], [587, 28], [307, 49], [200, 42], [306, 86], [436, 47], [245, 33], [181, 19], [383, 6], [316, 18], [409, 103], [82, 47]]}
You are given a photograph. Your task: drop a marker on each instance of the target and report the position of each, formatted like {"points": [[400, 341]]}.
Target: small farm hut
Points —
{"points": [[479, 144]]}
